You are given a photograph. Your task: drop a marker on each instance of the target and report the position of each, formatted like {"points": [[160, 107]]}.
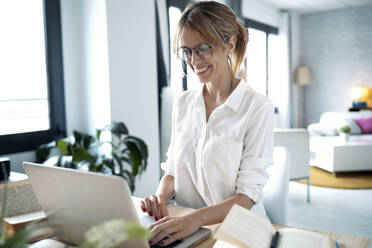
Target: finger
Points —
{"points": [[171, 239], [164, 233], [158, 228], [143, 206], [148, 206], [152, 226], [163, 211], [154, 205]]}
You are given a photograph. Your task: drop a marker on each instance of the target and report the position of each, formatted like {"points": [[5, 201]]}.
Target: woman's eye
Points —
{"points": [[204, 48], [186, 52]]}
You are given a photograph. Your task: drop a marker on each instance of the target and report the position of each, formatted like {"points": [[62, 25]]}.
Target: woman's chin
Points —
{"points": [[204, 78]]}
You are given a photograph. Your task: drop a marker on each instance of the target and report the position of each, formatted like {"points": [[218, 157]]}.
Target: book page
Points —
{"points": [[48, 243], [241, 226], [293, 238], [223, 244]]}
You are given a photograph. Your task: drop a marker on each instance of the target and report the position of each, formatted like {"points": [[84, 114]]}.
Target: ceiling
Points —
{"points": [[309, 6]]}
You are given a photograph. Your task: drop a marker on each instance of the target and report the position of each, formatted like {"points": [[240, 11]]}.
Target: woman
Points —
{"points": [[222, 134]]}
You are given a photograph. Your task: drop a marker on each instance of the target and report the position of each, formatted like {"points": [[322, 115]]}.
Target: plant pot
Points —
{"points": [[344, 137]]}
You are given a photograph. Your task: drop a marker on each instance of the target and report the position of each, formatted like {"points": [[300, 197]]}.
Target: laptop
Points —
{"points": [[77, 200]]}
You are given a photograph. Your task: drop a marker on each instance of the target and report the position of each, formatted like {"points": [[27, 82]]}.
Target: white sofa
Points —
{"points": [[330, 152]]}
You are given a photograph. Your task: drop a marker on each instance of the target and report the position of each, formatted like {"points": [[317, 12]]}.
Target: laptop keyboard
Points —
{"points": [[174, 244]]}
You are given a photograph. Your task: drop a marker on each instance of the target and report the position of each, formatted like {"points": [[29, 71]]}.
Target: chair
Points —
{"points": [[296, 142], [275, 192]]}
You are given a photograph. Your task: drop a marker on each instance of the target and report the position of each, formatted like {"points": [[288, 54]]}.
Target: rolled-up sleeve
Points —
{"points": [[257, 153]]}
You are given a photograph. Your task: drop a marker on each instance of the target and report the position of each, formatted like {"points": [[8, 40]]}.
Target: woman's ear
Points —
{"points": [[231, 44]]}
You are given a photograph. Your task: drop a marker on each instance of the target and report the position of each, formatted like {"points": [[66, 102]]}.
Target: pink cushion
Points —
{"points": [[365, 124]]}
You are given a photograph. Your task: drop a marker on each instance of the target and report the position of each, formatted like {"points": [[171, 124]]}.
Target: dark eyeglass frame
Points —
{"points": [[197, 49]]}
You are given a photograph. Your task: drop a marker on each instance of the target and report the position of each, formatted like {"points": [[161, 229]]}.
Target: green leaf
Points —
{"points": [[130, 180], [98, 133], [59, 161], [87, 141], [142, 148], [110, 164], [79, 154], [119, 128], [134, 156], [96, 167], [43, 151], [78, 137], [140, 144], [126, 159], [118, 161], [62, 146], [42, 154], [70, 149]]}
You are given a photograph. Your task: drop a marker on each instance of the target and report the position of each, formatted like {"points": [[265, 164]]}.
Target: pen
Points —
{"points": [[274, 241]]}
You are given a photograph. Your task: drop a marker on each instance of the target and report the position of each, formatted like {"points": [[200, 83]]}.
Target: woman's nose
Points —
{"points": [[195, 58]]}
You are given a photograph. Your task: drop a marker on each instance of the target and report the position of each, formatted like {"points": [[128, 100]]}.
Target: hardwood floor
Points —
{"points": [[333, 210]]}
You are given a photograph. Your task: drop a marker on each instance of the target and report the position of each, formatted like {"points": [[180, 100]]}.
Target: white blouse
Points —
{"points": [[212, 161]]}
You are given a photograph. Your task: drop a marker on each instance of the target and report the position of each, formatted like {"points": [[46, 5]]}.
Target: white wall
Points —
{"points": [[85, 64], [133, 78], [260, 12]]}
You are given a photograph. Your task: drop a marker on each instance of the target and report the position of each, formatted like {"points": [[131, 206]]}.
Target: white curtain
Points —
{"points": [[283, 117]]}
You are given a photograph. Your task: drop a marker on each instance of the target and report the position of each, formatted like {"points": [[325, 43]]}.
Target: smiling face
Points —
{"points": [[208, 69]]}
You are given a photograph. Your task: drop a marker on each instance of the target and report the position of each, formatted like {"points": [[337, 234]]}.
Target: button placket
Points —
{"points": [[199, 158]]}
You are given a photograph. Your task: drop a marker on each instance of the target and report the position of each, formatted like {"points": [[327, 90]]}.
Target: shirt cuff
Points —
{"points": [[168, 168], [252, 177]]}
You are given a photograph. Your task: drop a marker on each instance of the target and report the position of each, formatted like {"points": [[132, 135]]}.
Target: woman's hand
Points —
{"points": [[174, 228], [156, 206]]}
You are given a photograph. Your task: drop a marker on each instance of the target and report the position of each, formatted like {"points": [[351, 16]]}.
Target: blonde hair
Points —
{"points": [[215, 23]]}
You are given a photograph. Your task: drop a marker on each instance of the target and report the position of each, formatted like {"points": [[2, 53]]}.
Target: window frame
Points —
{"points": [[181, 4], [21, 142]]}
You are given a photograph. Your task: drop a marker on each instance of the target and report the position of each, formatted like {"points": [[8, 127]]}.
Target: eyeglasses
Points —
{"points": [[203, 51]]}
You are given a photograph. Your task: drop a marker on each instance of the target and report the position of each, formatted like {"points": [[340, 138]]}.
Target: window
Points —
{"points": [[262, 57], [31, 74], [256, 60]]}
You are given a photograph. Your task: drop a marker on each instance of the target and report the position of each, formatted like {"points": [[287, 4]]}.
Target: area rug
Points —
{"points": [[346, 180]]}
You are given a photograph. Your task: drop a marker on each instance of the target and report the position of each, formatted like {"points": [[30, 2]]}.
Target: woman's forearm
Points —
{"points": [[166, 187], [216, 213]]}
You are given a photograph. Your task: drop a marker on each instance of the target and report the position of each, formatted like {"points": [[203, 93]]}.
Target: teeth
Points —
{"points": [[201, 69]]}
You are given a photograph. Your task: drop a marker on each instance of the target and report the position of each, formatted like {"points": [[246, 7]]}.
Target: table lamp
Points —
{"points": [[361, 96]]}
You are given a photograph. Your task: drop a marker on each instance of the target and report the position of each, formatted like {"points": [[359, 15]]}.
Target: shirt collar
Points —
{"points": [[233, 101], [236, 97]]}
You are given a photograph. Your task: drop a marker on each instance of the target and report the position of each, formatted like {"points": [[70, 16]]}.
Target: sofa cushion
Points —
{"points": [[365, 125], [317, 129], [335, 120]]}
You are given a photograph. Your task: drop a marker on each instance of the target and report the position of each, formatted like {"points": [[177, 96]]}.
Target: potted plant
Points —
{"points": [[123, 155], [344, 132]]}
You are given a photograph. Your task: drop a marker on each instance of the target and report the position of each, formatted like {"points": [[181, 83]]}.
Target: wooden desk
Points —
{"points": [[345, 241]]}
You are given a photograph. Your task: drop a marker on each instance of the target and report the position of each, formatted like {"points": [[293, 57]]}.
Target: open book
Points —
{"points": [[242, 228]]}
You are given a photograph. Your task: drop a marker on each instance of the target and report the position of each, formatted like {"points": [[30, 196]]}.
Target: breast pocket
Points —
{"points": [[184, 147]]}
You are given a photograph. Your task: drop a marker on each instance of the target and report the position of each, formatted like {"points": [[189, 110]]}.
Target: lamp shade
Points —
{"points": [[360, 93], [302, 75]]}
